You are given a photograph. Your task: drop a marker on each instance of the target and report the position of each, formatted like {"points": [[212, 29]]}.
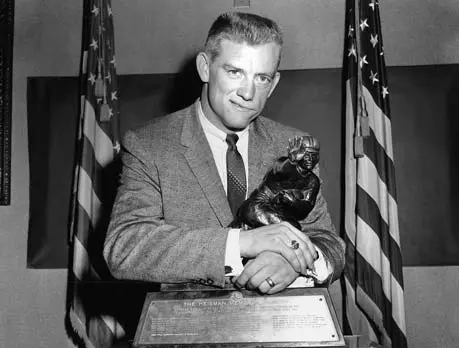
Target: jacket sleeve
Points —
{"points": [[320, 229], [140, 245]]}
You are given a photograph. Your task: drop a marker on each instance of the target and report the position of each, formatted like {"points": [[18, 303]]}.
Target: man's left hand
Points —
{"points": [[269, 272]]}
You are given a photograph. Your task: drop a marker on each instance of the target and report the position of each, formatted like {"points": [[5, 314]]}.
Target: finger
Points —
{"points": [[265, 287], [310, 253], [250, 269], [261, 277], [294, 258], [275, 289], [301, 255], [301, 251], [307, 255], [271, 280], [306, 247]]}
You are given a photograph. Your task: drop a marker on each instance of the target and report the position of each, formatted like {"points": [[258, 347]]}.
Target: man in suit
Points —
{"points": [[175, 200]]}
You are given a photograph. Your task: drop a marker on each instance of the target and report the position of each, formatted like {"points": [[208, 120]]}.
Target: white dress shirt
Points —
{"points": [[218, 145]]}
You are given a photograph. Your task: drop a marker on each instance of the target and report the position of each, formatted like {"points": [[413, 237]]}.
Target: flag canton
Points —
{"points": [[364, 50], [99, 68]]}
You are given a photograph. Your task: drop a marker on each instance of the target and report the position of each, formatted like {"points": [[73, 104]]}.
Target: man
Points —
{"points": [[169, 222]]}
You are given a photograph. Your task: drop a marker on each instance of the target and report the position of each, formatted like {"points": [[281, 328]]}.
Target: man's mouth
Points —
{"points": [[240, 107]]}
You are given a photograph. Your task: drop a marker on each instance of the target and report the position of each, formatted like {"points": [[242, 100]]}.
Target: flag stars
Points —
{"points": [[374, 40], [352, 51], [109, 10], [350, 33], [374, 77], [108, 77], [364, 24], [363, 61], [95, 11], [92, 78], [385, 91], [94, 44], [113, 61], [117, 147], [372, 4], [114, 95]]}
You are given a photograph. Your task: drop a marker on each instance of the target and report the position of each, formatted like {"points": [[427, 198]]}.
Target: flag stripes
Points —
{"points": [[368, 213], [97, 150], [374, 273], [101, 144], [380, 123], [88, 200], [381, 161], [354, 316], [378, 302]]}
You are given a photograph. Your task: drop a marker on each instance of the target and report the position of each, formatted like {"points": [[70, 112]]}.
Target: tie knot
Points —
{"points": [[231, 140]]}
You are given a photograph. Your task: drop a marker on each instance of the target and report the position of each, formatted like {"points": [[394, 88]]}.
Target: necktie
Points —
{"points": [[236, 181]]}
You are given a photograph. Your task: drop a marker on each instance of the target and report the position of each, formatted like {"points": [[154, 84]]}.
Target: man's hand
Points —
{"points": [[267, 265], [283, 239]]}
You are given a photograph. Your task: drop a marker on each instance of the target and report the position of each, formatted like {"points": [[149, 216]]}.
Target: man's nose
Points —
{"points": [[246, 90]]}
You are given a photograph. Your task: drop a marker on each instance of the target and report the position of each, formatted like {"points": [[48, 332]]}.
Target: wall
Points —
{"points": [[47, 43]]}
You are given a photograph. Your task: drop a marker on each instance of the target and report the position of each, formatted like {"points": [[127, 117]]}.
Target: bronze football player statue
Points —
{"points": [[288, 191]]}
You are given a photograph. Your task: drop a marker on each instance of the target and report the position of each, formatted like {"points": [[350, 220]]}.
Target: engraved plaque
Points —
{"points": [[300, 317]]}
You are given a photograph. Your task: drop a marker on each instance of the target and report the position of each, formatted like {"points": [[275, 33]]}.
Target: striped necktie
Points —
{"points": [[236, 180]]}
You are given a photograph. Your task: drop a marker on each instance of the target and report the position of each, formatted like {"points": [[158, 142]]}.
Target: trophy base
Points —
{"points": [[185, 316]]}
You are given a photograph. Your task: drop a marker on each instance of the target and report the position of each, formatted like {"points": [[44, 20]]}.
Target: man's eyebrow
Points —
{"points": [[227, 66], [270, 74], [230, 66]]}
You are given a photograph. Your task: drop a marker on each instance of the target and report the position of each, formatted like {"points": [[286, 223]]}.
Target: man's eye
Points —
{"points": [[234, 73], [263, 80]]}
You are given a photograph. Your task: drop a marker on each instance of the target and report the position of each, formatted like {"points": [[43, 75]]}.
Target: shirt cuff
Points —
{"points": [[322, 271], [322, 268], [233, 261]]}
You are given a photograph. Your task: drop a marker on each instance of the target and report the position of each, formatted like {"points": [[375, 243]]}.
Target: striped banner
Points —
{"points": [[373, 278], [94, 181]]}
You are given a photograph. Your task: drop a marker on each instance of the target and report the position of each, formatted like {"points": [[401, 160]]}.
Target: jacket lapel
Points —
{"points": [[200, 159], [261, 153]]}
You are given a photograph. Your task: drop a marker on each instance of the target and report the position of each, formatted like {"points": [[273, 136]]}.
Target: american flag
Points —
{"points": [[94, 180], [373, 275]]}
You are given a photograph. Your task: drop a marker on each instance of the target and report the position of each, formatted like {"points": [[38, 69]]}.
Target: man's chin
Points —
{"points": [[239, 126]]}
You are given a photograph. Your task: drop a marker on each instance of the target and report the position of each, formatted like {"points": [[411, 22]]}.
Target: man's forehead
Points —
{"points": [[242, 43], [233, 52]]}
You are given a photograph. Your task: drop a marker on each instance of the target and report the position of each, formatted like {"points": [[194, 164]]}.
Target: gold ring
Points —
{"points": [[270, 282], [295, 245]]}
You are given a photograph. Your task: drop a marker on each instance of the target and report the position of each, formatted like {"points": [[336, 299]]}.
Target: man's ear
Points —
{"points": [[275, 82], [203, 66]]}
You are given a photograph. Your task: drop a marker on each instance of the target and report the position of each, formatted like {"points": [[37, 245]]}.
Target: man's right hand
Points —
{"points": [[278, 238]]}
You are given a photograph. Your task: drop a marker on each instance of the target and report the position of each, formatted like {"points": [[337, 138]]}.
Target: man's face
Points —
{"points": [[239, 81]]}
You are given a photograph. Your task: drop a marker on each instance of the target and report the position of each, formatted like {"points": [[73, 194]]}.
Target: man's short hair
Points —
{"points": [[242, 28]]}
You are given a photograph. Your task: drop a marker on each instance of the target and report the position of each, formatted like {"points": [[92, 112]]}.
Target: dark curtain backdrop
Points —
{"points": [[425, 130]]}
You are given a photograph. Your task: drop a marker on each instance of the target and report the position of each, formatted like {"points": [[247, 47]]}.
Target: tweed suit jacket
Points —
{"points": [[170, 217]]}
